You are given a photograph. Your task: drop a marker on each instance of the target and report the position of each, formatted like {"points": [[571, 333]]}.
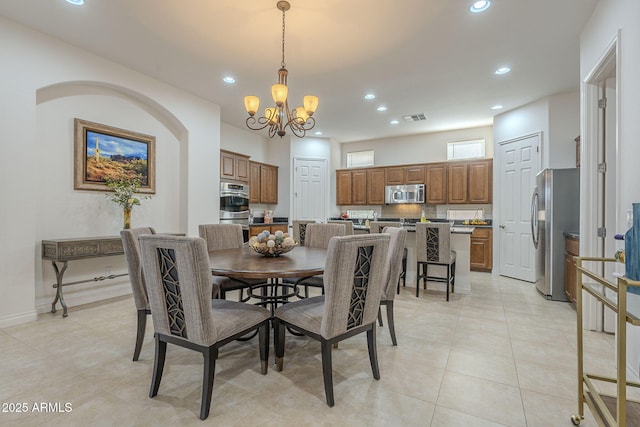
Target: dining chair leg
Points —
{"points": [[448, 283], [158, 366], [417, 279], [278, 343], [210, 355], [373, 351], [142, 324], [392, 328], [380, 316], [263, 340], [327, 371]]}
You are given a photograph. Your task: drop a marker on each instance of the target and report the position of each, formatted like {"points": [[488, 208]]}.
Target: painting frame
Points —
{"points": [[135, 150]]}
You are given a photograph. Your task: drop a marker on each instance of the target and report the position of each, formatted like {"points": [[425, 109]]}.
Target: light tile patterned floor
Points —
{"points": [[501, 356]]}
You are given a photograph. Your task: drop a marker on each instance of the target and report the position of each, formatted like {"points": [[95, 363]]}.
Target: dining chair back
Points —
{"points": [[397, 242], [300, 230], [377, 227], [318, 236], [433, 247], [348, 231], [178, 278], [354, 281], [225, 236], [138, 287]]}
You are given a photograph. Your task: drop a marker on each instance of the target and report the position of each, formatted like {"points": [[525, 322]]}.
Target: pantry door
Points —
{"points": [[310, 189], [519, 163]]}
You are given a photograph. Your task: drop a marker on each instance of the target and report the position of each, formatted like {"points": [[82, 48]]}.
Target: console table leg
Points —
{"points": [[58, 286]]}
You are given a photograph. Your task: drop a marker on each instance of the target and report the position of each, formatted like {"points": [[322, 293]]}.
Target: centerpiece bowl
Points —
{"points": [[272, 245]]}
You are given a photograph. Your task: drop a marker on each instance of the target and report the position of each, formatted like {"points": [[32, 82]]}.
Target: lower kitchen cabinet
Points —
{"points": [[572, 246], [254, 229], [482, 249]]}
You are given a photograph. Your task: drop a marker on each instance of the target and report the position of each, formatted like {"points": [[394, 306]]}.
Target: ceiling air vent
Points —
{"points": [[414, 117]]}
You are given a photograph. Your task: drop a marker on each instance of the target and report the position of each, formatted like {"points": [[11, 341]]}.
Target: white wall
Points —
{"points": [[423, 148], [609, 17], [245, 142], [33, 64]]}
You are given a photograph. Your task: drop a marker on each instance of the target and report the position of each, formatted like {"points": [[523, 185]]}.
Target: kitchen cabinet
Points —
{"points": [[457, 180], [254, 229], [375, 186], [480, 183], [572, 246], [436, 177], [263, 183], [482, 249], [359, 187], [234, 166], [400, 175], [343, 187]]}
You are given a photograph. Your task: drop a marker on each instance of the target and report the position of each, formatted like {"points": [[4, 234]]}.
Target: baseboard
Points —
{"points": [[18, 319], [84, 296]]}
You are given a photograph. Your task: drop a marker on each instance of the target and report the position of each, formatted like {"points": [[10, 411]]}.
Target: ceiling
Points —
{"points": [[417, 56]]}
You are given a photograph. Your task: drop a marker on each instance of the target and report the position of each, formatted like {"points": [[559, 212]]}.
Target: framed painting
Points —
{"points": [[103, 152]]}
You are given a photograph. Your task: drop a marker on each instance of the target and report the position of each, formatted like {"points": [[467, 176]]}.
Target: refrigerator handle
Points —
{"points": [[535, 229]]}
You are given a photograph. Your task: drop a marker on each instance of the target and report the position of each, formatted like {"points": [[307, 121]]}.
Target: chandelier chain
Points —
{"points": [[282, 64]]}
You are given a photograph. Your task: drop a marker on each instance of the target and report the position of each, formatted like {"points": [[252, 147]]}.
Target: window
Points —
{"points": [[358, 159], [465, 149]]}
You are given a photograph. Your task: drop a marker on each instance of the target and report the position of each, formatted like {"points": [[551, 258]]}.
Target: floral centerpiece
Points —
{"points": [[272, 245], [124, 189]]}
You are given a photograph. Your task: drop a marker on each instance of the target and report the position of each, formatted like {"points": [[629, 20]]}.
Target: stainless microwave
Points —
{"points": [[396, 194]]}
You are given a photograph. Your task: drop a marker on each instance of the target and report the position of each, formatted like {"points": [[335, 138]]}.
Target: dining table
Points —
{"points": [[244, 264]]}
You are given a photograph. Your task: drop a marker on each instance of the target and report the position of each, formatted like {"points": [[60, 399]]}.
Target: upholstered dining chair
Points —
{"points": [[179, 283], [433, 247], [225, 236], [376, 227], [348, 231], [300, 230], [394, 267], [318, 236], [354, 281], [138, 286]]}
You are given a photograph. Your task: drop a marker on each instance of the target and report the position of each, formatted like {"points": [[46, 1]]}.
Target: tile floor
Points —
{"points": [[501, 356]]}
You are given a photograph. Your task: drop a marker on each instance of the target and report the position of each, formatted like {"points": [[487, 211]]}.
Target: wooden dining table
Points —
{"points": [[244, 264]]}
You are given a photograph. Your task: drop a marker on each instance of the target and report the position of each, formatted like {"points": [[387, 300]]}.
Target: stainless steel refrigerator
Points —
{"points": [[555, 209]]}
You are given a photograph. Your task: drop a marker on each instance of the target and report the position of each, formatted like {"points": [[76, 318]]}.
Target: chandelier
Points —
{"points": [[279, 117]]}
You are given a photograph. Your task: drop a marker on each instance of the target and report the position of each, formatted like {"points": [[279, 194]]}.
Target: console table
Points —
{"points": [[65, 250]]}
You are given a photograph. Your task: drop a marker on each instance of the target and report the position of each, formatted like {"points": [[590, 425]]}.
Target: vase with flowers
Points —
{"points": [[124, 194]]}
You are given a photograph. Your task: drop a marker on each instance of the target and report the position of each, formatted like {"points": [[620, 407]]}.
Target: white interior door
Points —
{"points": [[310, 187], [519, 164]]}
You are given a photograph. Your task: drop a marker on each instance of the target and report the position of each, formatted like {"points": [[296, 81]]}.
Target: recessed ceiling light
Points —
{"points": [[381, 108], [76, 2], [497, 107], [394, 122], [369, 96], [503, 70], [228, 79], [318, 133], [480, 6]]}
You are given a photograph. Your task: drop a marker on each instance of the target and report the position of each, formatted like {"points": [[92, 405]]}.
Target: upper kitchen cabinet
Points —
{"points": [[343, 187], [375, 186], [436, 174], [263, 184], [457, 175], [360, 186], [480, 187], [234, 166], [401, 175]]}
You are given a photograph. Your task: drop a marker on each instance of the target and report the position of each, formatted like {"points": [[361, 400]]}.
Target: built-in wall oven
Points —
{"points": [[234, 203]]}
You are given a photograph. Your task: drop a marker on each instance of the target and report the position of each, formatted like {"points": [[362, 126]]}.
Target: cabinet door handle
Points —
{"points": [[503, 226]]}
